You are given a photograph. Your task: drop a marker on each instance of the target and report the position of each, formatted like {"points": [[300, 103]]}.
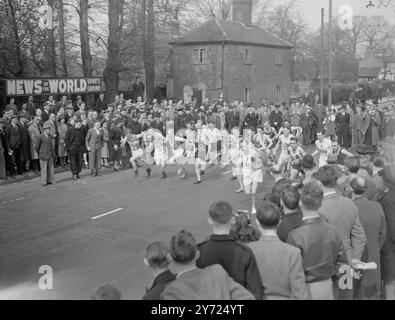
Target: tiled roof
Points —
{"points": [[214, 31]]}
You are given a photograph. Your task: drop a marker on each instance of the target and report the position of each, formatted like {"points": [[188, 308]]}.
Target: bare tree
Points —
{"points": [[148, 25], [289, 25], [84, 38], [220, 9], [356, 33], [61, 33], [51, 51], [111, 73]]}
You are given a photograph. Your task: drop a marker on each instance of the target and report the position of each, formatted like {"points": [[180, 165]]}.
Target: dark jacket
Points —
{"points": [[158, 126], [251, 120], [232, 120], [12, 137], [276, 117], [44, 147], [115, 136], [211, 283], [25, 143], [44, 116], [158, 285], [288, 223], [100, 105], [372, 218], [75, 139], [321, 246], [388, 251], [236, 258]]}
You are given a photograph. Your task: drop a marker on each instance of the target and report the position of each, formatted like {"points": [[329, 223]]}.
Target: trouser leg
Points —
{"points": [[50, 171], [44, 171]]}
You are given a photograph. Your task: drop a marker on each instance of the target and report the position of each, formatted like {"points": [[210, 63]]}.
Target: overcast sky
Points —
{"points": [[311, 9]]}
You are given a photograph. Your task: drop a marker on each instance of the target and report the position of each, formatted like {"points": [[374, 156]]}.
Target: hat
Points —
{"points": [[308, 161], [78, 119]]}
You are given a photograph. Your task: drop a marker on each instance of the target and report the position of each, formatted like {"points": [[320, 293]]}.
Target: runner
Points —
{"points": [[160, 152], [141, 156], [284, 140], [201, 143], [235, 157], [296, 152], [324, 147], [252, 170]]}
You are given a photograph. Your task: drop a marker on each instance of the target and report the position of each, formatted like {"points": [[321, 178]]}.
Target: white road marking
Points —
{"points": [[227, 172], [107, 214]]}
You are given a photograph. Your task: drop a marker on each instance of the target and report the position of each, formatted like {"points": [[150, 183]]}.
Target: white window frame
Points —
{"points": [[247, 55], [199, 56], [279, 58], [278, 92], [247, 94]]}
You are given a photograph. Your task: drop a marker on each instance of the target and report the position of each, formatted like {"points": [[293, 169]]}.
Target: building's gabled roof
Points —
{"points": [[218, 31], [369, 72]]}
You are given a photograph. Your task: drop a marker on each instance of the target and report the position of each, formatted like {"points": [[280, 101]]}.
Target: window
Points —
{"points": [[278, 92], [199, 56], [247, 95], [279, 58], [247, 55]]}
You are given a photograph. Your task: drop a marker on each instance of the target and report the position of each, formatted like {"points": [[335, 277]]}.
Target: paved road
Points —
{"points": [[53, 226]]}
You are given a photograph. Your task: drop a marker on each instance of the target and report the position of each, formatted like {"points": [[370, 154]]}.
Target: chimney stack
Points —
{"points": [[242, 11]]}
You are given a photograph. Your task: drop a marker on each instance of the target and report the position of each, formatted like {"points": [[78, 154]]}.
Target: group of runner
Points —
{"points": [[249, 153]]}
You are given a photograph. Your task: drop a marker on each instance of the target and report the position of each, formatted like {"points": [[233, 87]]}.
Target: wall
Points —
{"points": [[261, 76]]}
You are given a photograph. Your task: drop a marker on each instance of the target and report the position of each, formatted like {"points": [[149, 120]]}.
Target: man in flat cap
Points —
{"points": [[75, 143], [46, 153]]}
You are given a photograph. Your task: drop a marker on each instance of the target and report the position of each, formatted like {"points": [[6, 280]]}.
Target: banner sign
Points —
{"points": [[27, 87]]}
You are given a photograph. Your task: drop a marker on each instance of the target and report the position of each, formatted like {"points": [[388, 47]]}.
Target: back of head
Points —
{"points": [[268, 215], [312, 196], [352, 164], [183, 247], [358, 185], [273, 198], [327, 176], [221, 212], [290, 197], [107, 292], [242, 230], [156, 255], [280, 186]]}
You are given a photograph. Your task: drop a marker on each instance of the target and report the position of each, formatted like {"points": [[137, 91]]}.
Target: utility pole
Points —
{"points": [[322, 58], [330, 54]]}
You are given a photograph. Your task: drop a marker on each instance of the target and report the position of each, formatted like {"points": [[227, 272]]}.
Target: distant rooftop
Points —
{"points": [[218, 31]]}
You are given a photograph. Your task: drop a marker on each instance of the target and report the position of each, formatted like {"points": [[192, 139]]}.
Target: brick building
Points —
{"points": [[233, 58]]}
